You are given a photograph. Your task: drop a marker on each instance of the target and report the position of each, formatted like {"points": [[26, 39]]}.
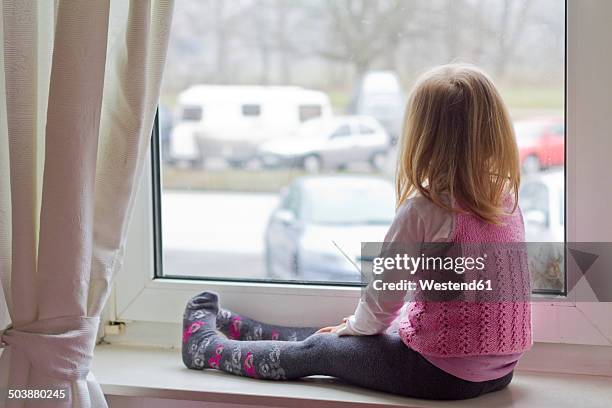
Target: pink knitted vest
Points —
{"points": [[468, 328]]}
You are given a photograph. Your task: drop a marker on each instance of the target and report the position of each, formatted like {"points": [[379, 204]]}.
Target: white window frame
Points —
{"points": [[139, 297]]}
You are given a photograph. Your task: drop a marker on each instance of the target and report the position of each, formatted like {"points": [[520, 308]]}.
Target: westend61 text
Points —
{"points": [[429, 285]]}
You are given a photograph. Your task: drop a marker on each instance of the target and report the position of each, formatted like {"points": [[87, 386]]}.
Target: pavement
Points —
{"points": [[215, 234]]}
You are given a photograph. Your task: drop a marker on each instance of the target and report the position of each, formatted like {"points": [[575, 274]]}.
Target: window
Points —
{"points": [[222, 209], [341, 131], [251, 110], [310, 112], [191, 113], [152, 296], [366, 130]]}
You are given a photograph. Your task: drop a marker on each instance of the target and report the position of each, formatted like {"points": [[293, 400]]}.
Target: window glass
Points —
{"points": [[342, 131], [292, 201], [365, 130], [559, 130], [251, 110], [191, 113], [310, 112], [313, 67], [349, 201], [534, 203], [561, 203]]}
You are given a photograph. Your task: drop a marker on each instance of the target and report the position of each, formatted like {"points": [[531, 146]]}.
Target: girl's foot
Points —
{"points": [[204, 348], [199, 328]]}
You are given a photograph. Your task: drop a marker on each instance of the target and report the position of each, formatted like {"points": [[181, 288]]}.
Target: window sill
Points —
{"points": [[159, 373]]}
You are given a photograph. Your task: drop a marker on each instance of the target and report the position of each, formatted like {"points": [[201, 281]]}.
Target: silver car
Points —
{"points": [[330, 144], [542, 200], [316, 210]]}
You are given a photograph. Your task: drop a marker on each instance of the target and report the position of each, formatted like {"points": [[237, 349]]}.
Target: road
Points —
{"points": [[215, 234]]}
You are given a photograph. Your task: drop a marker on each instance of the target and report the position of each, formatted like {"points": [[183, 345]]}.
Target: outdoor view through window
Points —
{"points": [[279, 120]]}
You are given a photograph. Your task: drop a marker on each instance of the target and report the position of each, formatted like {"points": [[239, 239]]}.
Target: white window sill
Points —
{"points": [[159, 373]]}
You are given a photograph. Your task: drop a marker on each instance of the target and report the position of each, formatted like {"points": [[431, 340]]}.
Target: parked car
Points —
{"points": [[541, 143], [542, 201], [379, 94], [316, 210], [229, 122], [329, 144]]}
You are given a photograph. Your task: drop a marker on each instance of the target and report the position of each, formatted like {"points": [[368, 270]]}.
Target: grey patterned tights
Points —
{"points": [[379, 362]]}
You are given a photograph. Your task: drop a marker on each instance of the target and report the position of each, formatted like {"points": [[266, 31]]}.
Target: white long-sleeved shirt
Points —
{"points": [[418, 220]]}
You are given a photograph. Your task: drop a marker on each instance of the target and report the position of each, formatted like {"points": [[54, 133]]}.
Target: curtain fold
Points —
{"points": [[122, 154], [57, 266]]}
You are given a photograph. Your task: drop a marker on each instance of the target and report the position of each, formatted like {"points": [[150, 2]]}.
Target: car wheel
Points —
{"points": [[378, 161], [531, 164], [312, 164]]}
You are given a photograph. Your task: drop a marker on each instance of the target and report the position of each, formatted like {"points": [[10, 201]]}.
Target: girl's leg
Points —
{"points": [[381, 362], [238, 327]]}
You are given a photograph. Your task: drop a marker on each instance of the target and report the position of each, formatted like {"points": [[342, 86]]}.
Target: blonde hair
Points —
{"points": [[458, 140]]}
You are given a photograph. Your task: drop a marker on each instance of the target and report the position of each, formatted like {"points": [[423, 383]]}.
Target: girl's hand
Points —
{"points": [[333, 329]]}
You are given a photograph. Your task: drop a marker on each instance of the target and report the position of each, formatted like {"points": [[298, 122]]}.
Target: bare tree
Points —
{"points": [[259, 16], [513, 17], [265, 41], [282, 34], [225, 26], [361, 31], [221, 40], [479, 29], [453, 36], [266, 32]]}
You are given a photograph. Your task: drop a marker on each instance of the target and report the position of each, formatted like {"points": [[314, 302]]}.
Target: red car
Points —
{"points": [[541, 143]]}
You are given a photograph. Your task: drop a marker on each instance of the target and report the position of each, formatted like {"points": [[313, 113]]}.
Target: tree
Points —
{"points": [[513, 18], [361, 31]]}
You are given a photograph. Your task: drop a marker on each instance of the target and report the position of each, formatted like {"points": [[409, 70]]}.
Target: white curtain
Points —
{"points": [[79, 84]]}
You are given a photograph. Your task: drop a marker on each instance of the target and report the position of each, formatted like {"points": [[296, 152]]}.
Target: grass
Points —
{"points": [[250, 181], [339, 100], [240, 180], [532, 98]]}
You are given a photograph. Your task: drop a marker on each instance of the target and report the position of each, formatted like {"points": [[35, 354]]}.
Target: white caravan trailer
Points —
{"points": [[231, 121]]}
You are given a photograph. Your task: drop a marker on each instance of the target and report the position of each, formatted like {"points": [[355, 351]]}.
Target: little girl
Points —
{"points": [[457, 182]]}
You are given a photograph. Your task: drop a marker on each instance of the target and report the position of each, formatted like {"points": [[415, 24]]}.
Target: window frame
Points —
{"points": [[587, 112]]}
